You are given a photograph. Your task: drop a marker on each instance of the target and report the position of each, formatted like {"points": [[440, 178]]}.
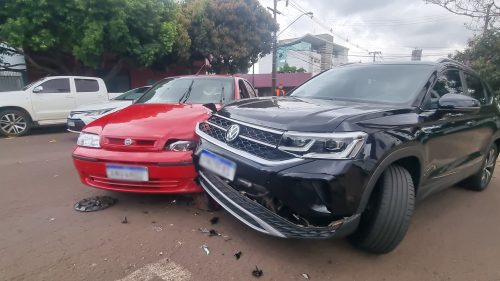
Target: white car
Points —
{"points": [[83, 115], [47, 102]]}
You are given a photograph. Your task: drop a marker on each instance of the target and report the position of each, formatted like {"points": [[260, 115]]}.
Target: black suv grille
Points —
{"points": [[257, 142]]}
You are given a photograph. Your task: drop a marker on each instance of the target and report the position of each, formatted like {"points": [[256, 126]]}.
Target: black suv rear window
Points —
{"points": [[384, 83]]}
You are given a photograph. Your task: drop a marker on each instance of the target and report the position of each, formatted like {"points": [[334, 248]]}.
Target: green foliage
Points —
{"points": [[235, 32], [483, 55], [90, 31], [290, 69]]}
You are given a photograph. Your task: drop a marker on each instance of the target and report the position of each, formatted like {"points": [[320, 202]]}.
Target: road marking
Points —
{"points": [[164, 269]]}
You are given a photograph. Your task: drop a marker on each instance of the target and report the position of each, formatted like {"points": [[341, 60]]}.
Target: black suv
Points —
{"points": [[350, 151]]}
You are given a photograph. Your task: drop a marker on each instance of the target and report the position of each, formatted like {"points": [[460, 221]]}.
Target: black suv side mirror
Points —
{"points": [[459, 103]]}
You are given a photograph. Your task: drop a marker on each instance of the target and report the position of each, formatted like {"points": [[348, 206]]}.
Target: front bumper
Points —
{"points": [[75, 125], [326, 193], [167, 174], [263, 220]]}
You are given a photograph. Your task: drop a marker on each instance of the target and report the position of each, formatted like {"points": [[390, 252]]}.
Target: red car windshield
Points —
{"points": [[194, 90]]}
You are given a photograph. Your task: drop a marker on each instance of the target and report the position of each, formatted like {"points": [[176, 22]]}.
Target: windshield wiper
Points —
{"points": [[187, 93]]}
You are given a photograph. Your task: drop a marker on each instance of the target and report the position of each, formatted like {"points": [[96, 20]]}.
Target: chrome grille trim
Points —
{"points": [[247, 155], [257, 141], [251, 125]]}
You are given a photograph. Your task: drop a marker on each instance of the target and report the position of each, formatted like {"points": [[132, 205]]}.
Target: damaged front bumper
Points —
{"points": [[264, 220]]}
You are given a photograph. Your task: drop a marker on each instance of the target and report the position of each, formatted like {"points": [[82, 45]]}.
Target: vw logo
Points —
{"points": [[232, 132], [127, 142]]}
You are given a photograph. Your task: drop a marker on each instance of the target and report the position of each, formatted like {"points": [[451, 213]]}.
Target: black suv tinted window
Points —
{"points": [[448, 82], [475, 88], [384, 83], [86, 85], [56, 86]]}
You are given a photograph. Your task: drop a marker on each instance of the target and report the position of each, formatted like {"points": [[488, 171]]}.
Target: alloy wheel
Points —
{"points": [[13, 124], [488, 167]]}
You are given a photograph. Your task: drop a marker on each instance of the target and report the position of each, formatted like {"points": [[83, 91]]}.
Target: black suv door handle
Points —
{"points": [[471, 123]]}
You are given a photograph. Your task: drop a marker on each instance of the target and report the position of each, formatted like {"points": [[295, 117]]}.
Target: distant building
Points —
{"points": [[313, 53], [12, 78], [263, 82]]}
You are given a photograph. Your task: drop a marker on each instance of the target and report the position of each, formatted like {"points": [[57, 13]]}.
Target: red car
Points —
{"points": [[147, 147]]}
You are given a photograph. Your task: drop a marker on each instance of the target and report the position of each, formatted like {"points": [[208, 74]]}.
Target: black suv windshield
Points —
{"points": [[383, 83], [195, 90]]}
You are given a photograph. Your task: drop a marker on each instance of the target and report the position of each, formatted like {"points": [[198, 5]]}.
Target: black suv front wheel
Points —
{"points": [[387, 216]]}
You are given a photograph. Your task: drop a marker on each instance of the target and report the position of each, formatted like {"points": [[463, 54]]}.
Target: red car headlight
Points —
{"points": [[181, 145]]}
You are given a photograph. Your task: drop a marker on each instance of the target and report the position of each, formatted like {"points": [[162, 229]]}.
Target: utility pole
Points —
{"points": [[275, 46], [374, 54]]}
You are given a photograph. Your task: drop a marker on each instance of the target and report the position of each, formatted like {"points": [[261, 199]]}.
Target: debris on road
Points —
{"points": [[52, 141], [161, 254], [157, 228], [205, 248], [213, 232], [214, 220], [305, 275], [203, 230], [238, 255], [257, 272], [55, 176], [96, 203], [124, 220], [52, 219]]}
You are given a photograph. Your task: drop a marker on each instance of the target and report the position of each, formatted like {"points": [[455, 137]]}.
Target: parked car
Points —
{"points": [[350, 151], [47, 101], [83, 115], [147, 147]]}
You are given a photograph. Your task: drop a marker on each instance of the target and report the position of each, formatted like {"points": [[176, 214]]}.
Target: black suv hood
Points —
{"points": [[294, 114]]}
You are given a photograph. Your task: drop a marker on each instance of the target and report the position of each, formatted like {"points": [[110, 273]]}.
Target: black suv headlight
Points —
{"points": [[323, 145]]}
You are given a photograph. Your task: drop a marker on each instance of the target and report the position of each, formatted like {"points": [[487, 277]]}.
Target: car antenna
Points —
{"points": [[187, 93]]}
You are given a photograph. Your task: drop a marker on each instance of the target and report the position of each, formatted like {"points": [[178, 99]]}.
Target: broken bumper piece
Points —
{"points": [[263, 220]]}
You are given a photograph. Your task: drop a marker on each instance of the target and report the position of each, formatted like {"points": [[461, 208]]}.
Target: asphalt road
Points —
{"points": [[455, 234]]}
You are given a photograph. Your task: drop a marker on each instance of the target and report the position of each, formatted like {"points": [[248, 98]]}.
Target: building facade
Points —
{"points": [[313, 53]]}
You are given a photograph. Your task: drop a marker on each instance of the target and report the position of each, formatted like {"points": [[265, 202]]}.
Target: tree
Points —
{"points": [[236, 33], [484, 12], [74, 36], [290, 69], [483, 55]]}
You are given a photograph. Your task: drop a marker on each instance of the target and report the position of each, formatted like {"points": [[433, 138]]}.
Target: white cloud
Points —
{"points": [[394, 27]]}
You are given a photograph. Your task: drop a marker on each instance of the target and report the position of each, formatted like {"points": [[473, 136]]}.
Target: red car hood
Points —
{"points": [[151, 121]]}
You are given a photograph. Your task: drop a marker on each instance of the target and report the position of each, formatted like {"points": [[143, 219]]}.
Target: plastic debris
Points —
{"points": [[161, 254], [203, 230], [124, 220], [238, 255], [213, 232], [205, 248], [96, 203], [157, 228], [305, 275], [52, 141], [55, 176], [214, 220], [52, 219], [257, 272]]}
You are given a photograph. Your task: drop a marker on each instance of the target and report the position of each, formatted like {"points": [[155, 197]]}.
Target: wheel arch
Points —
{"points": [[409, 158], [3, 108]]}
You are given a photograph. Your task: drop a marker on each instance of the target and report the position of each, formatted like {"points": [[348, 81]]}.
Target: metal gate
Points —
{"points": [[11, 81]]}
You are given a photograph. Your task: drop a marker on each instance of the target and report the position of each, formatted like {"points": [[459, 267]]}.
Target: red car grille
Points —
{"points": [[129, 144], [152, 183]]}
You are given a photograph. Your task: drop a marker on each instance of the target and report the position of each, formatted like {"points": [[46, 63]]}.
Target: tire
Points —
{"points": [[481, 180], [386, 219], [14, 123]]}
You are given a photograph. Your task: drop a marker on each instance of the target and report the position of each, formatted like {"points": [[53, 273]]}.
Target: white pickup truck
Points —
{"points": [[47, 102]]}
